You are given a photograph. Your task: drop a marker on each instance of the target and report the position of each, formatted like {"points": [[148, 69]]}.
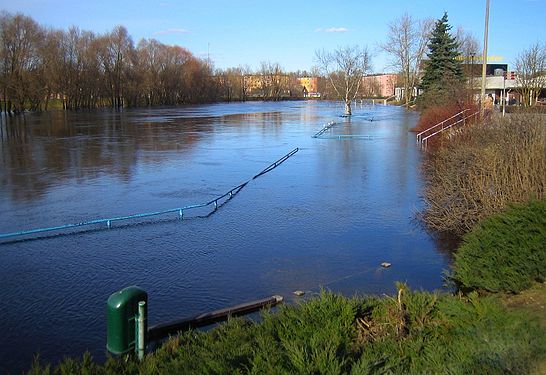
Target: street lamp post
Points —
{"points": [[484, 62], [472, 56]]}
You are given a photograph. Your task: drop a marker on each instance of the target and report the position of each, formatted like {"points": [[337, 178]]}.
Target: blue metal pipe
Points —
{"points": [[180, 210]]}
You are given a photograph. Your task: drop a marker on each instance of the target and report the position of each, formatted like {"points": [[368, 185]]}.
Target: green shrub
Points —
{"points": [[504, 253], [453, 335], [312, 338]]}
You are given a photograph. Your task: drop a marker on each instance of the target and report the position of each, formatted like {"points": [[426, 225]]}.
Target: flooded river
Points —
{"points": [[327, 217]]}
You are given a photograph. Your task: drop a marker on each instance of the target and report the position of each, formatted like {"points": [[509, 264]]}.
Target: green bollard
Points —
{"points": [[125, 318]]}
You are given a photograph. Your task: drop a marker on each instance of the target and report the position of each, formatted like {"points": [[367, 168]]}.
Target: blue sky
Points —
{"points": [[247, 32]]}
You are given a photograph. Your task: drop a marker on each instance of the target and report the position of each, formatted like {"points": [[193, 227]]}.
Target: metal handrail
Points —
{"points": [[408, 103], [419, 135], [180, 210], [425, 139]]}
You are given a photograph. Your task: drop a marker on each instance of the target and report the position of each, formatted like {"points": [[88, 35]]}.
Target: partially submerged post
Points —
{"points": [[160, 331]]}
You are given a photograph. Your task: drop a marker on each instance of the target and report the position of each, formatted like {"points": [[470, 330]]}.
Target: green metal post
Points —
{"points": [[141, 334], [122, 314]]}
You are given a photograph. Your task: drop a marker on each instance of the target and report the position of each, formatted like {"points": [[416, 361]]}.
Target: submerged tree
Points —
{"points": [[344, 68], [443, 68], [83, 70], [20, 43]]}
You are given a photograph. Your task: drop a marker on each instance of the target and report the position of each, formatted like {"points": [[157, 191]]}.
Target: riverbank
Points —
{"points": [[479, 170], [411, 333]]}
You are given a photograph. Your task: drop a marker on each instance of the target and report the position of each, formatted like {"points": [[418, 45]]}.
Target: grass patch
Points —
{"points": [[412, 333], [533, 301]]}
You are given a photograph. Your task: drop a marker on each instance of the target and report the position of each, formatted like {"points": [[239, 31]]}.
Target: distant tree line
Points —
{"points": [[86, 70], [83, 70]]}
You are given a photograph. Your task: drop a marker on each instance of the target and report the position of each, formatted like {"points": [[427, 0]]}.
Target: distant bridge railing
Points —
{"points": [[180, 211]]}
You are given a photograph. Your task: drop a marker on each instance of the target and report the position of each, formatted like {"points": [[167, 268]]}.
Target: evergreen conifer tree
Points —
{"points": [[443, 68]]}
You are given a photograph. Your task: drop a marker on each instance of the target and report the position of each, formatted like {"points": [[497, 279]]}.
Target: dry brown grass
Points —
{"points": [[483, 168]]}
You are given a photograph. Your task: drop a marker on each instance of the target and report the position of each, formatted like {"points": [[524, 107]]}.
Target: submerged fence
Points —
{"points": [[328, 126], [347, 136], [180, 211], [324, 129]]}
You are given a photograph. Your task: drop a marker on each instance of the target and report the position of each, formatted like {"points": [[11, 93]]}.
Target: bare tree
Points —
{"points": [[371, 88], [344, 68], [469, 46], [232, 83], [469, 53], [273, 80], [531, 73], [406, 44], [71, 66], [114, 54], [20, 38]]}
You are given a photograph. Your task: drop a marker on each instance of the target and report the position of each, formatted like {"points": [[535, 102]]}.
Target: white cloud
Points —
{"points": [[171, 31], [332, 30]]}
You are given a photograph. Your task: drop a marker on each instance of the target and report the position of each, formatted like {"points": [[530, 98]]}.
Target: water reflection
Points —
{"points": [[40, 151]]}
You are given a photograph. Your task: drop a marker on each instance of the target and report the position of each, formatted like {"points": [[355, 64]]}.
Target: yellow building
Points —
{"points": [[309, 85], [282, 84]]}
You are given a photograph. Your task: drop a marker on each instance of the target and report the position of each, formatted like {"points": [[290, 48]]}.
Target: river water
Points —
{"points": [[327, 217]]}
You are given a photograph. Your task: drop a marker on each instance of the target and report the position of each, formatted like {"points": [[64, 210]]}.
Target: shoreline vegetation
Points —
{"points": [[479, 169], [74, 69], [78, 69], [413, 332]]}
